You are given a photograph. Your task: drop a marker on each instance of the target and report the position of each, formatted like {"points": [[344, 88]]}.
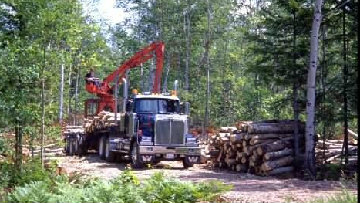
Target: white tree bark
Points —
{"points": [[61, 92], [187, 32], [207, 50], [69, 96], [310, 108], [167, 67]]}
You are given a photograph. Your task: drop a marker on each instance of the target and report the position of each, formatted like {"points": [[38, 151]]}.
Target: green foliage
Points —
{"points": [[4, 146], [32, 192], [344, 197], [332, 172], [30, 172], [159, 188], [125, 188]]}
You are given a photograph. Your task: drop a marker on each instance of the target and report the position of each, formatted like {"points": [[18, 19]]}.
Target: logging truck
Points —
{"points": [[145, 128]]}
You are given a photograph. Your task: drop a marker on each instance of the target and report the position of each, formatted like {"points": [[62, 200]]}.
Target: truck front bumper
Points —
{"points": [[163, 150]]}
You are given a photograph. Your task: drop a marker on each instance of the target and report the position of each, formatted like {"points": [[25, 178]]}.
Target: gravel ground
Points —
{"points": [[246, 187]]}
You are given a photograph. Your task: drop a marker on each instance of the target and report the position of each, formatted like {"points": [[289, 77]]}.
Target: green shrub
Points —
{"points": [[126, 188], [4, 146], [30, 172], [31, 192], [160, 188], [6, 171], [344, 197]]}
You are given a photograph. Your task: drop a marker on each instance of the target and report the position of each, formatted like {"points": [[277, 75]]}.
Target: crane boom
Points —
{"points": [[105, 91], [141, 57]]}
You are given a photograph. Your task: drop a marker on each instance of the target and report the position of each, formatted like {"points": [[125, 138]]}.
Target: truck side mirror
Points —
{"points": [[185, 108], [129, 106]]}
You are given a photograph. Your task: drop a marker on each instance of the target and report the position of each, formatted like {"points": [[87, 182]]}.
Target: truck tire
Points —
{"points": [[76, 147], [82, 147], [136, 161], [67, 147], [156, 162], [72, 147], [101, 147], [187, 163], [109, 155], [82, 150]]}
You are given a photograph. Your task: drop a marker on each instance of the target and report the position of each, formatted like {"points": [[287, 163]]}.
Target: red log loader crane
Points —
{"points": [[150, 127]]}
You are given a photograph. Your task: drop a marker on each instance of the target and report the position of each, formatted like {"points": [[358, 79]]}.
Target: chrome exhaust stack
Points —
{"points": [[176, 82], [125, 94]]}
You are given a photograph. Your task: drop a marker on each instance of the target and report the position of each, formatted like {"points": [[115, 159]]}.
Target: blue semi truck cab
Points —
{"points": [[151, 128]]}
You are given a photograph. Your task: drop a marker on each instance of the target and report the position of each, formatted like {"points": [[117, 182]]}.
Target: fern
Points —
{"points": [[31, 193], [125, 188]]}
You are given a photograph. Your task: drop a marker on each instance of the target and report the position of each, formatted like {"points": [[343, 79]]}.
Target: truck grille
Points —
{"points": [[169, 132]]}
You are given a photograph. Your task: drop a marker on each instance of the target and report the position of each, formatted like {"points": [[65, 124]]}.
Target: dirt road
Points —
{"points": [[246, 187]]}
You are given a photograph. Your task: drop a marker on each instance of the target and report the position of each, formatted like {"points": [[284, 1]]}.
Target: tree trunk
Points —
{"points": [[43, 109], [76, 96], [42, 121], [165, 86], [345, 75], [61, 92], [311, 86], [142, 83], [18, 145], [187, 32], [150, 78], [207, 49], [295, 93], [69, 110]]}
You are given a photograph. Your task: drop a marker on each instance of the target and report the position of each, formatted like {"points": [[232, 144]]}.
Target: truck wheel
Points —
{"points": [[136, 161], [82, 150], [187, 163], [109, 155], [101, 147], [156, 162], [69, 143], [67, 147], [76, 146], [71, 147], [82, 147]]}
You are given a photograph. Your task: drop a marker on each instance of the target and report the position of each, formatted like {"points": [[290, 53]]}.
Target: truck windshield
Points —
{"points": [[156, 106]]}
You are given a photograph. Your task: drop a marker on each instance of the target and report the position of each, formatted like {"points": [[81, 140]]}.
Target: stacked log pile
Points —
{"points": [[262, 148], [331, 150], [102, 121]]}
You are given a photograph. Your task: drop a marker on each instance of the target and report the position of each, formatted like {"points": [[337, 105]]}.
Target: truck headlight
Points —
{"points": [[191, 140]]}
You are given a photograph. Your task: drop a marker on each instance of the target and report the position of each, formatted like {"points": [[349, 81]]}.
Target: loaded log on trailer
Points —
{"points": [[146, 128]]}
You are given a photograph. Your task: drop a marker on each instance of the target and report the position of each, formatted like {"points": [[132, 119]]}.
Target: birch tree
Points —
{"points": [[310, 107]]}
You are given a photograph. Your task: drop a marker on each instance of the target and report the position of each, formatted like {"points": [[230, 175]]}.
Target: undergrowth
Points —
{"points": [[37, 185], [344, 197]]}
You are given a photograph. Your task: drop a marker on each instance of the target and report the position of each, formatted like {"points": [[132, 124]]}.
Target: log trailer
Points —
{"points": [[146, 128]]}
